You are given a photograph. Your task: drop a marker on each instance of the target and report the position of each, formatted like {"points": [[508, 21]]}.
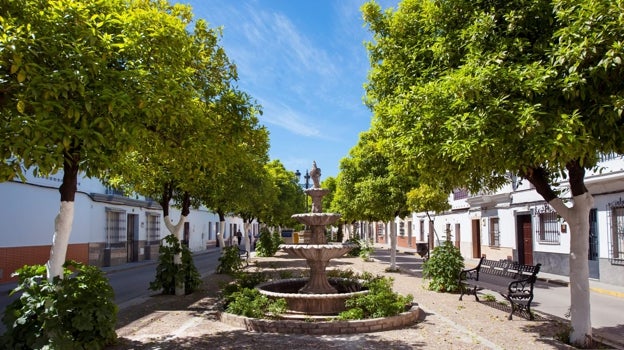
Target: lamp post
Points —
{"points": [[306, 184]]}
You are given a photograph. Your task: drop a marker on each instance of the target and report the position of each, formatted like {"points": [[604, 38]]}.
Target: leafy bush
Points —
{"points": [[75, 312], [242, 280], [250, 303], [443, 268], [167, 272], [268, 243], [366, 249], [356, 250], [381, 300], [230, 261]]}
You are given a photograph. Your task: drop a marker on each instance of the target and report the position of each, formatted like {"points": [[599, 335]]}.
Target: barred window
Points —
{"points": [[616, 238], [494, 232], [153, 228], [460, 193], [115, 227], [549, 228]]}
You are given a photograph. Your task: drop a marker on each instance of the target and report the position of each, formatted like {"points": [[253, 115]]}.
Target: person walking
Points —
{"points": [[239, 236]]}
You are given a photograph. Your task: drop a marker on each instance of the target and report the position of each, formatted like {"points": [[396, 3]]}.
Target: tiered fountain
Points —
{"points": [[317, 295]]}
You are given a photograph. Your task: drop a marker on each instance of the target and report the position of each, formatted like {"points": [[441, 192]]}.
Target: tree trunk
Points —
{"points": [[176, 231], [578, 219], [65, 218], [393, 245]]}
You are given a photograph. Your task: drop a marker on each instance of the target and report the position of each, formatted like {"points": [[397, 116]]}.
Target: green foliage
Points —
{"points": [[426, 198], [230, 261], [75, 312], [268, 243], [381, 300], [443, 268], [358, 246], [366, 249], [241, 281], [167, 272], [250, 303]]}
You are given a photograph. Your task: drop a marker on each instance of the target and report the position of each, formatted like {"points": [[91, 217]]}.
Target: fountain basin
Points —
{"points": [[312, 304], [318, 252], [316, 219]]}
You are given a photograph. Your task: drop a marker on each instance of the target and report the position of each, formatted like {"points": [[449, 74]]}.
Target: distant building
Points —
{"points": [[109, 228]]}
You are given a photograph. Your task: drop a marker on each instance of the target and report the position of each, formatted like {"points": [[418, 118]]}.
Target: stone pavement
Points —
{"points": [[446, 322]]}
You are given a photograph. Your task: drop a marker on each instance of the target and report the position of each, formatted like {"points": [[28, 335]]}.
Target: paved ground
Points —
{"points": [[167, 322]]}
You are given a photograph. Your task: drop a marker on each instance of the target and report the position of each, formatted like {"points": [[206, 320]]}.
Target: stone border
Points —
{"points": [[322, 327]]}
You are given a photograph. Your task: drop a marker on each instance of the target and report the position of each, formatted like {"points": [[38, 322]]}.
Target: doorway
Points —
{"points": [[132, 237], [592, 257], [524, 237], [476, 239]]}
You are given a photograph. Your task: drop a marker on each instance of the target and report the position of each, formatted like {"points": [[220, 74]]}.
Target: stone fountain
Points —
{"points": [[316, 295]]}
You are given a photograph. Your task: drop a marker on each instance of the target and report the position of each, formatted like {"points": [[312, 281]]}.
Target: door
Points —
{"points": [[132, 237], [187, 234], [457, 236], [476, 239], [592, 257], [524, 236]]}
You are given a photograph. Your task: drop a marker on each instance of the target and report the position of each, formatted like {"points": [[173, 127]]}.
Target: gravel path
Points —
{"points": [[190, 322]]}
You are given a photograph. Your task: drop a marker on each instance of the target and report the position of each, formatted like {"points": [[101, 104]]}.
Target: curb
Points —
{"points": [[404, 319]]}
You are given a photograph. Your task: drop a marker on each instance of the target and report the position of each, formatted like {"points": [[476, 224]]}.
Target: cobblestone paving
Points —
{"points": [[446, 322]]}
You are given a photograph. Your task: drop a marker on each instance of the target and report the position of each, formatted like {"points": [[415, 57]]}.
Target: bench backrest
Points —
{"points": [[507, 269]]}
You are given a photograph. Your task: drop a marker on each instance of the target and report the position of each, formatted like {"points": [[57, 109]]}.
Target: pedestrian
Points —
{"points": [[239, 236]]}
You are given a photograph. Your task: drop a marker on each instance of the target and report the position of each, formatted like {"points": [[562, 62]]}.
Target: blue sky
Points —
{"points": [[304, 61]]}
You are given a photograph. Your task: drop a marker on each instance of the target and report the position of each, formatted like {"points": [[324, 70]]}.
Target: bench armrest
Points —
{"points": [[522, 286], [470, 274]]}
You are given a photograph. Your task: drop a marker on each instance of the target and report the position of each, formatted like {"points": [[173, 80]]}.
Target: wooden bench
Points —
{"points": [[512, 280]]}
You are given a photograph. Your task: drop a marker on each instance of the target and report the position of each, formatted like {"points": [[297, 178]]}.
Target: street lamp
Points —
{"points": [[306, 184]]}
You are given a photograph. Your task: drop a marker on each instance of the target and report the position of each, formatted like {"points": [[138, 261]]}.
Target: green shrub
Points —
{"points": [[230, 261], [366, 249], [250, 303], [241, 281], [167, 272], [356, 250], [381, 300], [443, 268], [268, 243], [75, 312]]}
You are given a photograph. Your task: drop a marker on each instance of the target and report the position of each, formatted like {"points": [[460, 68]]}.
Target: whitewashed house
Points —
{"points": [[516, 223], [109, 228]]}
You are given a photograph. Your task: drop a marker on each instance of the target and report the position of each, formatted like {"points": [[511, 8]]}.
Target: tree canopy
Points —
{"points": [[469, 90]]}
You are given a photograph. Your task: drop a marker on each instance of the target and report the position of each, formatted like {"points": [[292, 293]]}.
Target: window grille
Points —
{"points": [[616, 236], [494, 232], [548, 230], [593, 235], [603, 157], [460, 193], [153, 228], [115, 227]]}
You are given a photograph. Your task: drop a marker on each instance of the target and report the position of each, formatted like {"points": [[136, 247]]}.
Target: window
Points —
{"points": [[422, 230], [460, 193], [115, 227], [616, 237], [153, 228], [548, 229], [494, 232]]}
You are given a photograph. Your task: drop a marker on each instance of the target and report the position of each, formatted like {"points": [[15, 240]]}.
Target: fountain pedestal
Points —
{"points": [[317, 296]]}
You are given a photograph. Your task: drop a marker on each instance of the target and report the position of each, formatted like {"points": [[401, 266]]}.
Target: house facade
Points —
{"points": [[108, 229], [515, 223]]}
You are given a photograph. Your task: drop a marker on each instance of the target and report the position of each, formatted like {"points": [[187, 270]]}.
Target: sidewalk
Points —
{"points": [[552, 297]]}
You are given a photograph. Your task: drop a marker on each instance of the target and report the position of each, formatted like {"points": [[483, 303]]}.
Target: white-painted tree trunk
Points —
{"points": [[393, 245], [577, 218], [177, 258], [246, 237], [60, 240], [220, 235]]}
